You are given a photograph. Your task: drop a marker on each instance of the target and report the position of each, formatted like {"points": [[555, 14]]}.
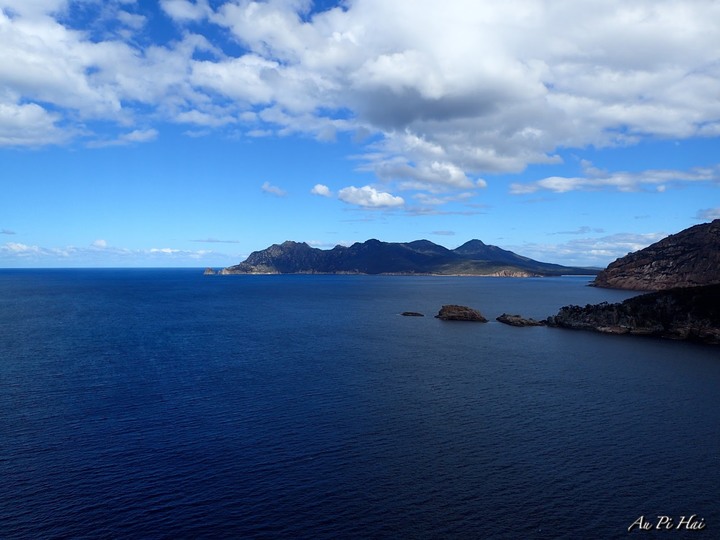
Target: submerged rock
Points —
{"points": [[454, 312], [411, 314], [517, 320]]}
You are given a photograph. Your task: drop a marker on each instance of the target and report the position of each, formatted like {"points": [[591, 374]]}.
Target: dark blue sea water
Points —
{"points": [[168, 404]]}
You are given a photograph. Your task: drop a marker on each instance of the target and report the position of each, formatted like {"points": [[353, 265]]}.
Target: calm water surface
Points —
{"points": [[167, 404]]}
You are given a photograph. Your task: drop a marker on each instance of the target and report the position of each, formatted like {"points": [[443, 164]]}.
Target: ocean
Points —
{"points": [[161, 403]]}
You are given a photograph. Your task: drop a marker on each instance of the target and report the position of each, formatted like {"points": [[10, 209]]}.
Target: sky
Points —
{"points": [[192, 133]]}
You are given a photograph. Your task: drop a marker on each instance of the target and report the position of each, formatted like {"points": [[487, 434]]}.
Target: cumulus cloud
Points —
{"points": [[322, 190], [267, 187], [29, 125], [369, 197], [99, 244], [543, 76]]}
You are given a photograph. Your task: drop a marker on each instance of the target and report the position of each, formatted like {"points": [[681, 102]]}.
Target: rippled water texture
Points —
{"points": [[167, 404]]}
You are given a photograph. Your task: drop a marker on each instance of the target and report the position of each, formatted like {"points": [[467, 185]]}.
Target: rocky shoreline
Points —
{"points": [[689, 313]]}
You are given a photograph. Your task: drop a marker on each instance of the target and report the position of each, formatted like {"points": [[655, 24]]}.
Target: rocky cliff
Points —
{"points": [[376, 257], [686, 259], [691, 313]]}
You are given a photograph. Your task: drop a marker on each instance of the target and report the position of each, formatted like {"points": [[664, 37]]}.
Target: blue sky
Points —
{"points": [[191, 133]]}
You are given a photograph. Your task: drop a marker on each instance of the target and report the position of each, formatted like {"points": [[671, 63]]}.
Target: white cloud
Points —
{"points": [[267, 187], [216, 241], [99, 253], [15, 247], [29, 125], [588, 251], [597, 180], [369, 197], [184, 10], [507, 84], [140, 135], [322, 190]]}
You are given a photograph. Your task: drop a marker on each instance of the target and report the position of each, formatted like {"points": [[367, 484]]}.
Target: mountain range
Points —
{"points": [[417, 257]]}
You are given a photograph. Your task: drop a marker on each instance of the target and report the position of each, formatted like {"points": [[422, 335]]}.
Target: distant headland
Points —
{"points": [[682, 271], [421, 257]]}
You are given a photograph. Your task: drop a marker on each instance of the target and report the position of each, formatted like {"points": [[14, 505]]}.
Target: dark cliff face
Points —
{"points": [[376, 257], [691, 313], [686, 259]]}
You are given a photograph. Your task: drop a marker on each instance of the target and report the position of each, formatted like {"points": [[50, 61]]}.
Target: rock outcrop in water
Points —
{"points": [[418, 257], [686, 259], [454, 312], [517, 320], [691, 313]]}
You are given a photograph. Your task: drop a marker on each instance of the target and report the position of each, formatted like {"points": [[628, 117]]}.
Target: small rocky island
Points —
{"points": [[454, 312], [518, 320]]}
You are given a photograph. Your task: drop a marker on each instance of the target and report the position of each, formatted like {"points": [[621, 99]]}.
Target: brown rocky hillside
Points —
{"points": [[687, 259]]}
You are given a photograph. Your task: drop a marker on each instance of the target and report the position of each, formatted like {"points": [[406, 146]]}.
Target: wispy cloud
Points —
{"points": [[589, 251], [100, 252], [135, 136], [595, 180], [267, 187], [7, 231], [708, 214], [215, 241], [581, 230]]}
